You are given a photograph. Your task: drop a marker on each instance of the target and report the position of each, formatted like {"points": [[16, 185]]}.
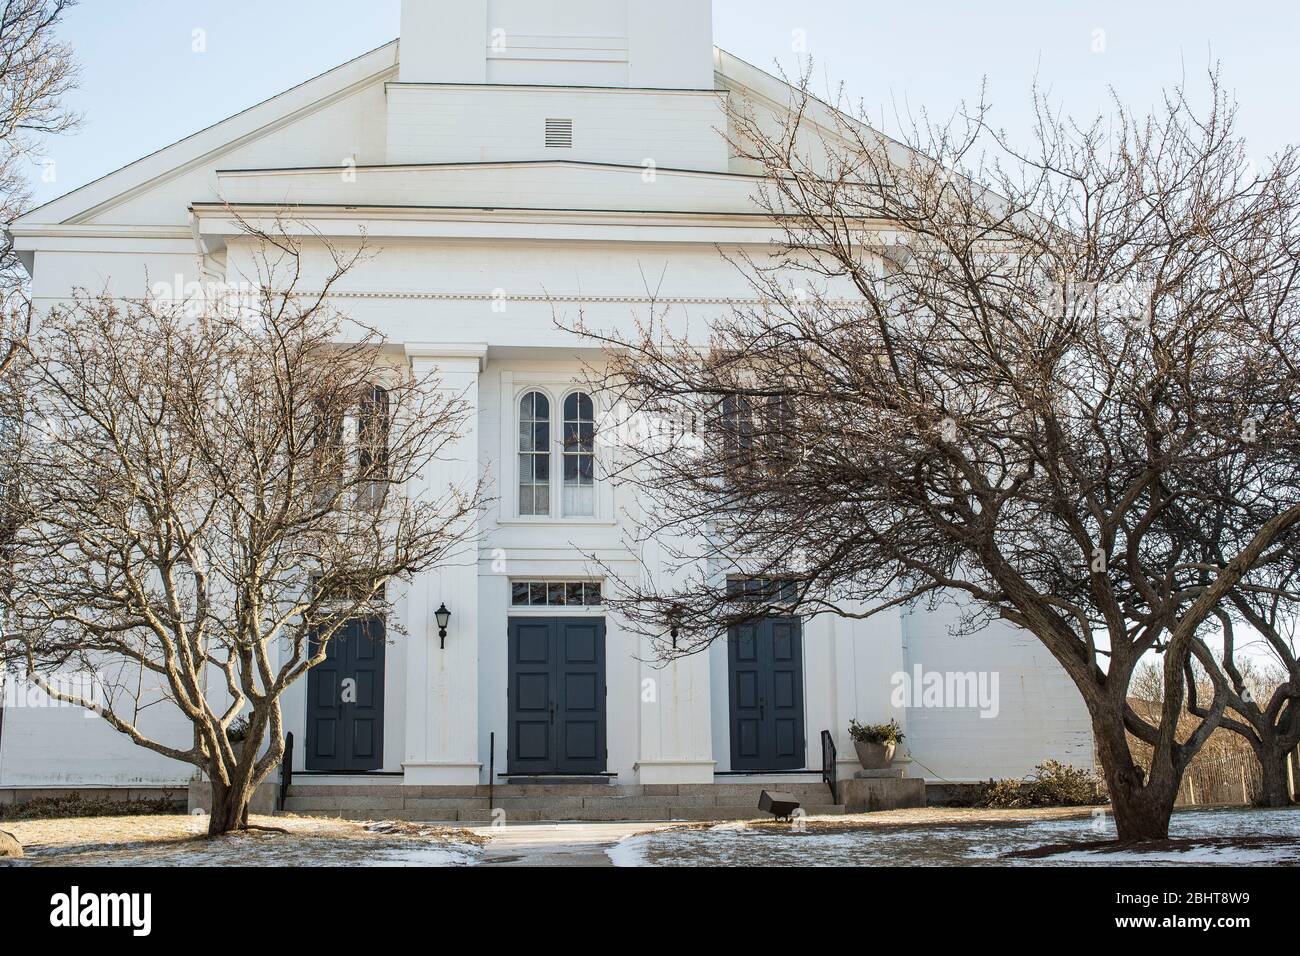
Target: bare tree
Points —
{"points": [[1260, 713], [36, 72], [208, 493], [1016, 379], [1264, 706], [1262, 692]]}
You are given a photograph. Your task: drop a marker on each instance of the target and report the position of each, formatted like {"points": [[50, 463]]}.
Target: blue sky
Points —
{"points": [[144, 86]]}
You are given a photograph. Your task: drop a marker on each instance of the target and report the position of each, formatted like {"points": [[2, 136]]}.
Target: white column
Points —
{"points": [[676, 744], [676, 740], [442, 683], [844, 640]]}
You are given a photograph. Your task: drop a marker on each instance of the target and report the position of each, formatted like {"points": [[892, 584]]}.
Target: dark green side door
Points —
{"points": [[765, 662], [345, 702]]}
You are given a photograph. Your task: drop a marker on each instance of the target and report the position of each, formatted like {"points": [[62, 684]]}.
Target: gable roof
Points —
{"points": [[207, 146], [205, 149]]}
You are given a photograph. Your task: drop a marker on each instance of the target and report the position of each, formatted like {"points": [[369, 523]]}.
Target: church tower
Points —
{"points": [[634, 44], [619, 82]]}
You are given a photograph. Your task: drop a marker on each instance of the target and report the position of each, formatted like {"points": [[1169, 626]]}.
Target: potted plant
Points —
{"points": [[875, 743]]}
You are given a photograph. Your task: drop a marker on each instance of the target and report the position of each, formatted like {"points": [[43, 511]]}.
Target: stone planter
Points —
{"points": [[875, 756]]}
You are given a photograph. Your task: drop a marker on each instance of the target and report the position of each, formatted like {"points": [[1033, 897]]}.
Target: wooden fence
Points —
{"points": [[1231, 778], [1224, 773]]}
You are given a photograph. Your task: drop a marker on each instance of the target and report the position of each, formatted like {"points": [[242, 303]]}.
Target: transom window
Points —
{"points": [[575, 448], [779, 590], [556, 594]]}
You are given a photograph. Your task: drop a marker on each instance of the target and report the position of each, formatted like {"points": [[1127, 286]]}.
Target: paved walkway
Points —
{"points": [[557, 844]]}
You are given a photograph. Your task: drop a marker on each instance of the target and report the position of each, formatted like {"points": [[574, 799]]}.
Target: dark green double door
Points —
{"points": [[765, 663], [557, 696]]}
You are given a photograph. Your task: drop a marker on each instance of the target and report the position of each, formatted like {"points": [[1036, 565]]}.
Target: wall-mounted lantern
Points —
{"points": [[443, 617]]}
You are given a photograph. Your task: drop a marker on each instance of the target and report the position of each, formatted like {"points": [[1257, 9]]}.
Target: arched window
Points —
{"points": [[372, 434], [757, 433], [579, 456], [328, 447], [535, 454], [737, 432]]}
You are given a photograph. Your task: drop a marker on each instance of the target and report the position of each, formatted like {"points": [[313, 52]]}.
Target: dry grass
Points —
{"points": [[173, 839]]}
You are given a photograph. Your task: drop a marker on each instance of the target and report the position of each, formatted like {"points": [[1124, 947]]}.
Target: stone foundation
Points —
{"points": [[11, 796], [262, 804], [871, 791]]}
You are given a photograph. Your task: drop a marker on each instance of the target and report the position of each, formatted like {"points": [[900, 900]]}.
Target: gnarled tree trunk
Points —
{"points": [[1142, 802], [229, 808], [1275, 786]]}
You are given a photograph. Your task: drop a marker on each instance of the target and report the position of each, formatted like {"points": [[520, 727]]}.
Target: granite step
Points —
{"points": [[725, 792], [549, 801], [482, 815]]}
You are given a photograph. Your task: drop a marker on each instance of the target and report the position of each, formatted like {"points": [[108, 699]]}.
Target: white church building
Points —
{"points": [[505, 158]]}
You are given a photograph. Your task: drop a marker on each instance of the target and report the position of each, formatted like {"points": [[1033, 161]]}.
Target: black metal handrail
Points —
{"points": [[286, 772], [828, 765]]}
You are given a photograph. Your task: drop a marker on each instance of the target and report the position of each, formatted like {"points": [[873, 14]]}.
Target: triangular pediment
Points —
{"points": [[324, 120], [323, 143]]}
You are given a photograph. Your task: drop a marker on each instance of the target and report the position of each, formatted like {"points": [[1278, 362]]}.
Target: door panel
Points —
{"points": [[531, 747], [581, 706], [557, 695], [345, 695], [787, 694], [765, 660]]}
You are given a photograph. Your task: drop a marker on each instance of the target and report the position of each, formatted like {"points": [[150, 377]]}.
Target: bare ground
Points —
{"points": [[183, 841], [962, 837], [939, 836]]}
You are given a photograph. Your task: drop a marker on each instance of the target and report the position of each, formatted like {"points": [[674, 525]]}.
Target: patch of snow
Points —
{"points": [[394, 856], [278, 851], [430, 855], [630, 851], [1194, 856], [977, 844]]}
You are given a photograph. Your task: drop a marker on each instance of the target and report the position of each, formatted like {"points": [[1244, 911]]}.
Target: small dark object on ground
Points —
{"points": [[780, 805]]}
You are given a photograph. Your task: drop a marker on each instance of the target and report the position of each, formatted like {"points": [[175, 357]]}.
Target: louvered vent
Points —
{"points": [[559, 134]]}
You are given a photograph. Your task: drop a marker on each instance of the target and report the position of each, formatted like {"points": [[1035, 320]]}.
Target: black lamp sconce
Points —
{"points": [[443, 617]]}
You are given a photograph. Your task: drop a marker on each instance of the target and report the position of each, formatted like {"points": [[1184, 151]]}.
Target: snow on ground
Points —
{"points": [[926, 837], [1230, 837], [180, 841]]}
